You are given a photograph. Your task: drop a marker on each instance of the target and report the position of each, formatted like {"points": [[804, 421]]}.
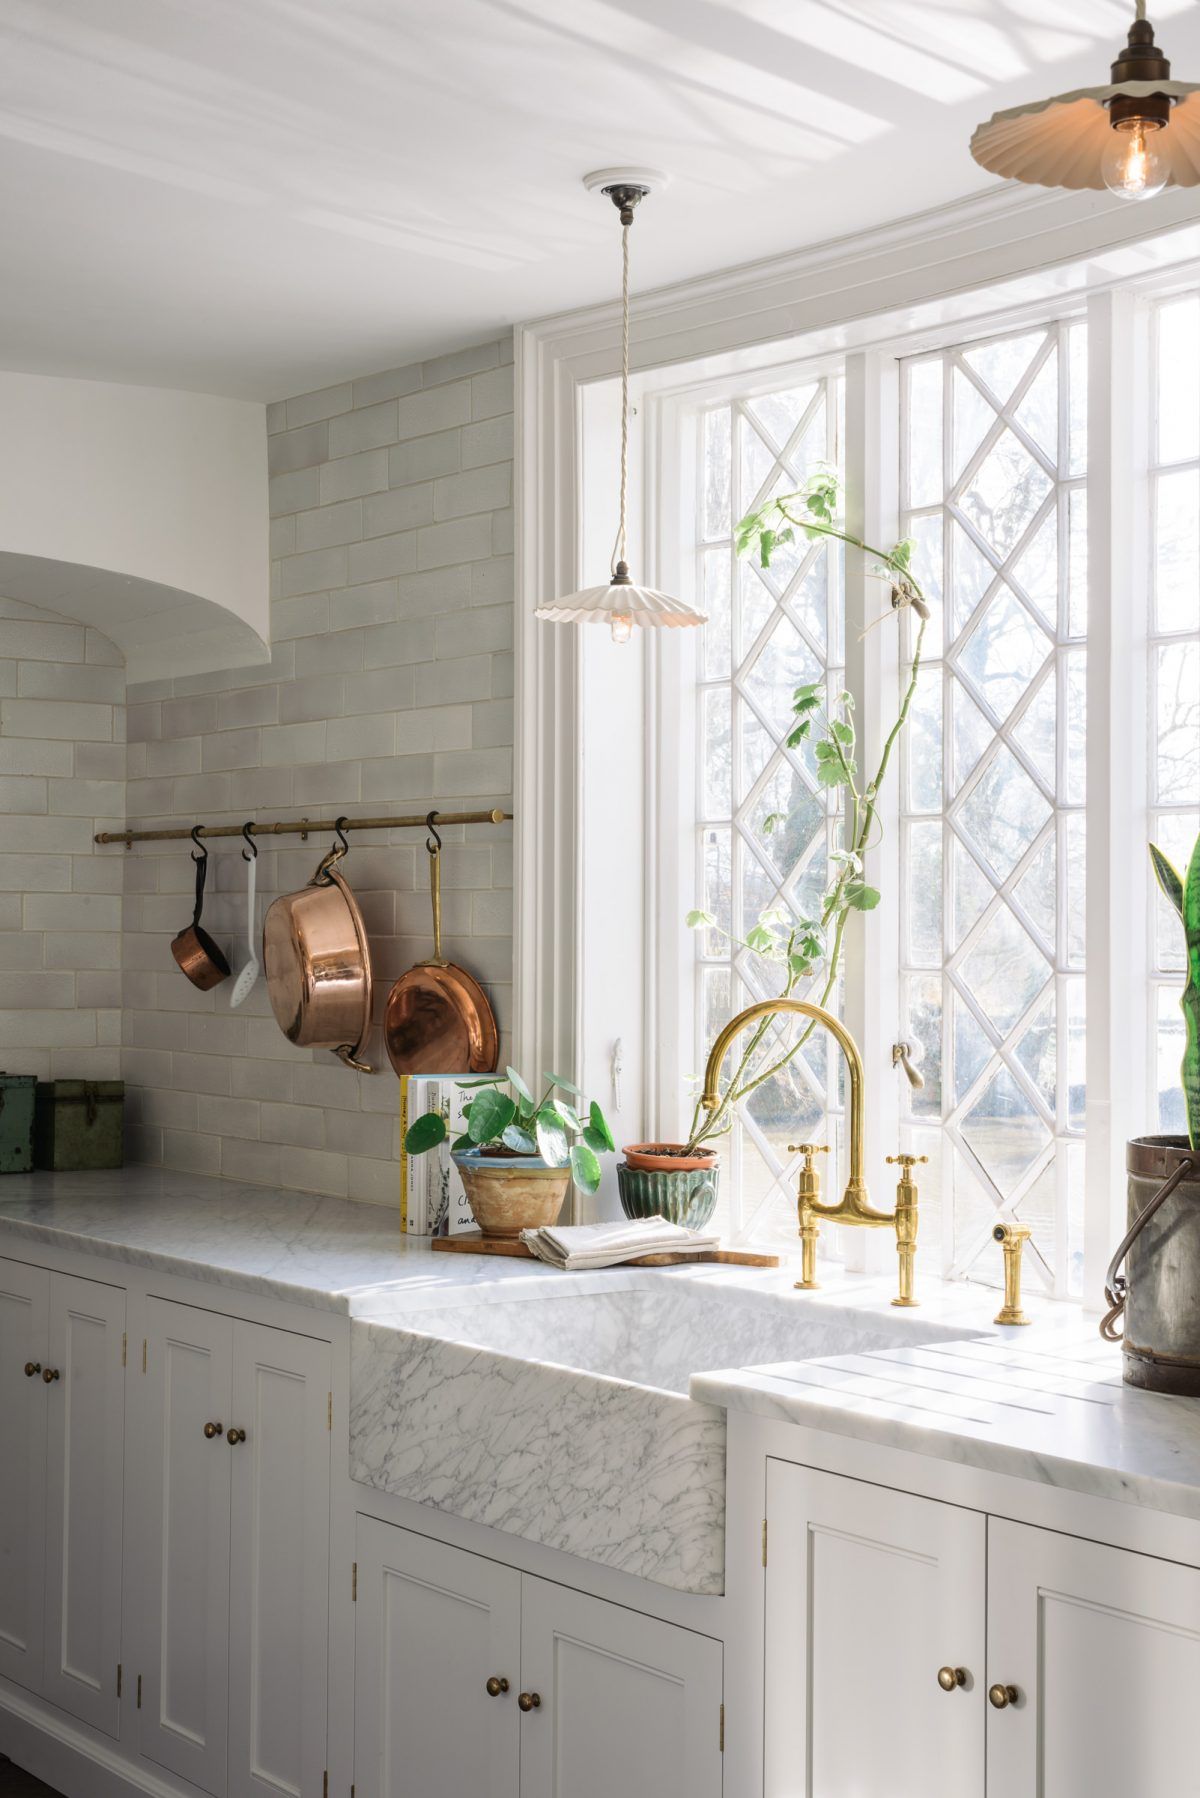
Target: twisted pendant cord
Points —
{"points": [[1141, 9], [619, 547]]}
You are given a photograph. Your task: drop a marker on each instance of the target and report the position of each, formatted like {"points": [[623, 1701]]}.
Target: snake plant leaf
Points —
{"points": [[585, 1168], [1190, 1002], [552, 1138], [425, 1133], [491, 1113], [1168, 877]]}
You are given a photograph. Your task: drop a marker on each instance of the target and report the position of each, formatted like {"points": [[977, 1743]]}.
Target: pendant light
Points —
{"points": [[621, 603], [1134, 137]]}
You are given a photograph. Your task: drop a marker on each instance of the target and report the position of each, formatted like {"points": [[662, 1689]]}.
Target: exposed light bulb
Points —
{"points": [[622, 627], [1133, 166]]}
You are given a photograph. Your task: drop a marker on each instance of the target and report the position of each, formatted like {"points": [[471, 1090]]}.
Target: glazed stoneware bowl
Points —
{"points": [[686, 1196], [510, 1193]]}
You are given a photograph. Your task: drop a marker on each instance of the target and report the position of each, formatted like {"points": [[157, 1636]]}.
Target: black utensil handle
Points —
{"points": [[201, 862]]}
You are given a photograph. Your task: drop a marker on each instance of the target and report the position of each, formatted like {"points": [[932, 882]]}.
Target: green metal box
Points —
{"points": [[79, 1124], [16, 1123]]}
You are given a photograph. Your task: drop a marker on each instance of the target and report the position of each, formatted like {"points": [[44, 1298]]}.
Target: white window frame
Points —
{"points": [[982, 263]]}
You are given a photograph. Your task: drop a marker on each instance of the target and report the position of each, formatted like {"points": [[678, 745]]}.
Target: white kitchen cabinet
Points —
{"points": [[24, 1335], [1102, 1647], [587, 1699], [234, 1553], [433, 1625], [62, 1419], [626, 1704], [869, 1594]]}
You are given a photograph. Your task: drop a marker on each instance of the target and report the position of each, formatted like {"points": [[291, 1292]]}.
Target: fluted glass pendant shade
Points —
{"points": [[621, 603], [1136, 136]]}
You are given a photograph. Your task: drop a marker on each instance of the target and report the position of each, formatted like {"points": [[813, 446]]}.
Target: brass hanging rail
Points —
{"points": [[301, 827]]}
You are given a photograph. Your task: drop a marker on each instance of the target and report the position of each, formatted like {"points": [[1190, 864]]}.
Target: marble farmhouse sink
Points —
{"points": [[567, 1420]]}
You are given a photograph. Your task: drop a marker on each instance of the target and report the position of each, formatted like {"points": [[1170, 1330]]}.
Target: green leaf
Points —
{"points": [[799, 964], [902, 555], [520, 1140], [599, 1125], [843, 732], [425, 1133], [460, 1143], [1168, 877], [862, 898], [568, 1086], [491, 1113], [766, 544], [585, 1169], [568, 1114], [810, 703], [552, 1138], [518, 1085], [696, 920], [826, 751], [795, 738], [770, 821], [831, 774]]}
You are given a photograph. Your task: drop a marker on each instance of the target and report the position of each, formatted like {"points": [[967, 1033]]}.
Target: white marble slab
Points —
{"points": [[1044, 1405]]}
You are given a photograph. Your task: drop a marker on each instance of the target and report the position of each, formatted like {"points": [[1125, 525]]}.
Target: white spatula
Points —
{"points": [[249, 974]]}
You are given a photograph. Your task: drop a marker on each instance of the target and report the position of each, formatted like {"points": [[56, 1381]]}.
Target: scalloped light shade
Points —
{"points": [[1061, 142], [643, 606]]}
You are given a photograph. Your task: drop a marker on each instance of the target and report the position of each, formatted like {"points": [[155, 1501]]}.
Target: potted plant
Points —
{"points": [[664, 1174], [519, 1154], [1162, 1245]]}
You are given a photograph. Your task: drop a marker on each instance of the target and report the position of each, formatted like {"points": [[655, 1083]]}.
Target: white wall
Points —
{"points": [[389, 690], [62, 777]]}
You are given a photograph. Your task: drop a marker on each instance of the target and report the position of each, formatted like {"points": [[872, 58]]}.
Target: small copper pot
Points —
{"points": [[318, 965], [437, 1015], [198, 956]]}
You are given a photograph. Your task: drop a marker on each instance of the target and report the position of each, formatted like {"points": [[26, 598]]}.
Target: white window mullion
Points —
{"points": [[1116, 773]]}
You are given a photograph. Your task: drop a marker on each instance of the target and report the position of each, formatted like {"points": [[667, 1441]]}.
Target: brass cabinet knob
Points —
{"points": [[49, 1373], [1002, 1696], [949, 1678], [32, 1367], [530, 1701], [233, 1437], [212, 1429], [496, 1686]]}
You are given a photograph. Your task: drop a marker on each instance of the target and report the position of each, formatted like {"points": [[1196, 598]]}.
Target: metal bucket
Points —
{"points": [[1160, 1292]]}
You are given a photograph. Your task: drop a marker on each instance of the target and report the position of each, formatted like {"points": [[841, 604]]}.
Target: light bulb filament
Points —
{"points": [[622, 627]]}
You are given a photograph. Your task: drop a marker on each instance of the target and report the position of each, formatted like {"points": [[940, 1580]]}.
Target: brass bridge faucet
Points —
{"points": [[854, 1206]]}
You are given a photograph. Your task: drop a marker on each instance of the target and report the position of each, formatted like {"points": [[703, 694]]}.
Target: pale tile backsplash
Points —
{"points": [[389, 689]]}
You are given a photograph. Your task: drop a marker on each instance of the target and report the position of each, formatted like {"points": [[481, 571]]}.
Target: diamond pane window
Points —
{"points": [[1174, 668], [764, 825], [993, 788]]}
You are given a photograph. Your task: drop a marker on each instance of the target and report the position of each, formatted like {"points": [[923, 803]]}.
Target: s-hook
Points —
{"points": [[339, 831], [195, 835], [247, 830], [434, 845]]}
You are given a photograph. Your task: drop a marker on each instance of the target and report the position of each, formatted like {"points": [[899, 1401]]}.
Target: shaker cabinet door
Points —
{"points": [[85, 1482], [870, 1593], [1102, 1647], [433, 1626], [24, 1406], [279, 1565], [183, 1549], [628, 1706]]}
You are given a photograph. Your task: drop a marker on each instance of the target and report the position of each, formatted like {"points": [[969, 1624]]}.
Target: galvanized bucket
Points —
{"points": [[1160, 1293]]}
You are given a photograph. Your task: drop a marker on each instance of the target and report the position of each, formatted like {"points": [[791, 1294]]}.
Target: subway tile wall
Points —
{"points": [[62, 778], [389, 690]]}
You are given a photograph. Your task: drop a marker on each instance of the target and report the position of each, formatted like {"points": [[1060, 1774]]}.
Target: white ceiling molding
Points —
{"points": [[141, 512], [1001, 250]]}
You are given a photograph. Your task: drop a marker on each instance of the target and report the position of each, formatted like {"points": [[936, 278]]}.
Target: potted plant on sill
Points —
{"points": [[1161, 1337], [519, 1154], [679, 1180]]}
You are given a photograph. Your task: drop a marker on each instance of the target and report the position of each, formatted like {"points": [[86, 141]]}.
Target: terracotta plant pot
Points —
{"points": [[657, 1158], [509, 1193]]}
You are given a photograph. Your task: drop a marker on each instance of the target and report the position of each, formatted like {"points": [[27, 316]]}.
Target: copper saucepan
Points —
{"points": [[318, 964], [437, 1018], [198, 956]]}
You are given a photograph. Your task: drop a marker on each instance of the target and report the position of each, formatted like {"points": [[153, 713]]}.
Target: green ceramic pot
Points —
{"points": [[687, 1197]]}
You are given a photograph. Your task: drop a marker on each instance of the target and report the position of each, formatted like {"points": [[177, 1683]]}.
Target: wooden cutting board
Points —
{"points": [[474, 1244]]}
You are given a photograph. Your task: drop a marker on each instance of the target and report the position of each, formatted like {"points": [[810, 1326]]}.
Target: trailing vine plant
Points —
{"points": [[804, 946]]}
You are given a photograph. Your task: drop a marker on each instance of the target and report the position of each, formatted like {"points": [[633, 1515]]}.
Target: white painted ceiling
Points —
{"points": [[258, 197]]}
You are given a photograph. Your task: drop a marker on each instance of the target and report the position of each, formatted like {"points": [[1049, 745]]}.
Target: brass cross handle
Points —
{"points": [[808, 1150], [906, 1161], [496, 1686]]}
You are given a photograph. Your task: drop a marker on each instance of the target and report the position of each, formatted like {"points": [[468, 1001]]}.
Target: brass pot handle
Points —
{"points": [[32, 1367], [211, 1430], [530, 1701], [495, 1686], [1002, 1696], [345, 1053], [950, 1678]]}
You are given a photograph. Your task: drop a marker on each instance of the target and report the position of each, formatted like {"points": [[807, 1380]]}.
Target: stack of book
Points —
{"points": [[432, 1199]]}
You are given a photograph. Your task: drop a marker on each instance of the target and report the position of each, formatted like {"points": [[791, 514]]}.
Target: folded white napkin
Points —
{"points": [[607, 1245]]}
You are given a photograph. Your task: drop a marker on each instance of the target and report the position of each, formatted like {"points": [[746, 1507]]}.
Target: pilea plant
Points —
{"points": [[515, 1123], [826, 722], [1183, 891]]}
